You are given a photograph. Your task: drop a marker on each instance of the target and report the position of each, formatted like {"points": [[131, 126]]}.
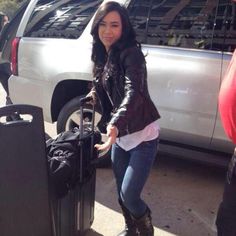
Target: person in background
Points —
{"points": [[129, 116], [4, 77], [3, 20], [226, 216]]}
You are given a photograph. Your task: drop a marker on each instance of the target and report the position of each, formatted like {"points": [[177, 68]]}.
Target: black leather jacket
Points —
{"points": [[123, 94]]}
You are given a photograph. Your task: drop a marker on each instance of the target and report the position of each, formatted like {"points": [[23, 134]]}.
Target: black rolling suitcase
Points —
{"points": [[74, 213], [25, 208]]}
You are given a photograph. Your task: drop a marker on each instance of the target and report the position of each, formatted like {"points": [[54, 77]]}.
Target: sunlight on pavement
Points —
{"points": [[112, 221], [50, 129]]}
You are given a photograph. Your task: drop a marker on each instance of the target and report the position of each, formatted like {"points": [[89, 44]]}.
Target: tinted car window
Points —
{"points": [[189, 24], [60, 19], [224, 35], [228, 21], [139, 12]]}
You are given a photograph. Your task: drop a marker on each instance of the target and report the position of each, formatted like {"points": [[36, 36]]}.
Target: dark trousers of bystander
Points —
{"points": [[226, 217]]}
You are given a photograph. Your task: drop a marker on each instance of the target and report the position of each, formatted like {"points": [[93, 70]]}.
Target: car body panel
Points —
{"points": [[183, 83], [220, 141], [185, 91]]}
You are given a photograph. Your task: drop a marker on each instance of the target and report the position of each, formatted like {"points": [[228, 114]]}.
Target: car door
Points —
{"points": [[184, 65], [226, 22]]}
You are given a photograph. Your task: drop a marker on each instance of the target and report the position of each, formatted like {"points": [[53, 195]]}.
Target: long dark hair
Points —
{"points": [[127, 39]]}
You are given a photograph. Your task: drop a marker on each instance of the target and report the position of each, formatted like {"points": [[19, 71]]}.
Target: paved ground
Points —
{"points": [[183, 196]]}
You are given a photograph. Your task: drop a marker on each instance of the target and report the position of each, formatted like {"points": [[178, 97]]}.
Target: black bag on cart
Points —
{"points": [[74, 211], [63, 154], [25, 207]]}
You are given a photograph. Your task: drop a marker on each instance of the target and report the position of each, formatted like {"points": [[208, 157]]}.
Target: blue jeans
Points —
{"points": [[131, 169]]}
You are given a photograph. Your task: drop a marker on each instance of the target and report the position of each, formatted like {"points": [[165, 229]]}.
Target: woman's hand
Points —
{"points": [[112, 133]]}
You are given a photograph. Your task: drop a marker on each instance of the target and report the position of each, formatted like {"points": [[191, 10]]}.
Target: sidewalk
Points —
{"points": [[183, 198], [112, 223], [108, 220]]}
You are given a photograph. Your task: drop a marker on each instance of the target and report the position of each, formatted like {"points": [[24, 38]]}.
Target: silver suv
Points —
{"points": [[188, 45]]}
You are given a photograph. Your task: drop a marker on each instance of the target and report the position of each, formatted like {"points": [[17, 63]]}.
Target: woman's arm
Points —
{"points": [[134, 65]]}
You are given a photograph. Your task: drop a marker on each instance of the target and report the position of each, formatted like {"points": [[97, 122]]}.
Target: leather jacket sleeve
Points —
{"points": [[135, 86]]}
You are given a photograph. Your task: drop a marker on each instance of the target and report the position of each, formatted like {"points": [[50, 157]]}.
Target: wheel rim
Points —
{"points": [[74, 121]]}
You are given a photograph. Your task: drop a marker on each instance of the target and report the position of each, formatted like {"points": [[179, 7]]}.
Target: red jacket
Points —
{"points": [[227, 100]]}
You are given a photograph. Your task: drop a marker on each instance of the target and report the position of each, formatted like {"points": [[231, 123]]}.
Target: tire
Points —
{"points": [[69, 117]]}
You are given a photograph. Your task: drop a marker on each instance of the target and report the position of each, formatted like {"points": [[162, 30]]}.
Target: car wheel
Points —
{"points": [[69, 117]]}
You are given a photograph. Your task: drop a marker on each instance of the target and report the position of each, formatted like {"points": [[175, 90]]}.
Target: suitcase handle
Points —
{"points": [[83, 101], [21, 109]]}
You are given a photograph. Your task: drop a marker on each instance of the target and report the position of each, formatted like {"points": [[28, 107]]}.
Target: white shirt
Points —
{"points": [[130, 141]]}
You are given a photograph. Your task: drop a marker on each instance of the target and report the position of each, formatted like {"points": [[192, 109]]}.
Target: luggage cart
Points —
{"points": [[25, 207]]}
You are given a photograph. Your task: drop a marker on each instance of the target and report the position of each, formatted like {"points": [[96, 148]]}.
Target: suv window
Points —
{"points": [[188, 24], [60, 19], [229, 27], [224, 37]]}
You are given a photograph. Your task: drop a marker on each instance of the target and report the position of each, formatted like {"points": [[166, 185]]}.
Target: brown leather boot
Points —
{"points": [[144, 224], [130, 227]]}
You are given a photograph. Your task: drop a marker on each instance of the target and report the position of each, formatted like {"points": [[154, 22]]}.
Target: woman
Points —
{"points": [[128, 114], [3, 20]]}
